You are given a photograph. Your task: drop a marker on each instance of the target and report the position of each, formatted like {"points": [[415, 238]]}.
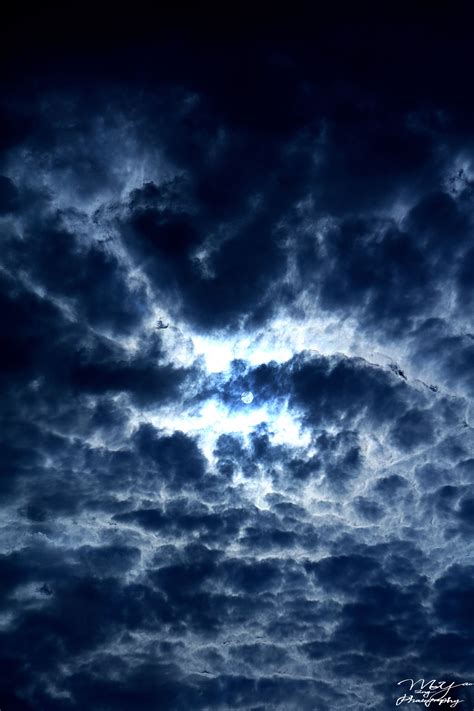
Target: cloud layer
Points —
{"points": [[174, 237]]}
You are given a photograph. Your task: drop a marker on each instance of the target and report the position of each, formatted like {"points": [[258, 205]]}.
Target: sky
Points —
{"points": [[236, 357]]}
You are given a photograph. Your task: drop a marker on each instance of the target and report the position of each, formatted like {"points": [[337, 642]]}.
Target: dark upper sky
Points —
{"points": [[236, 355]]}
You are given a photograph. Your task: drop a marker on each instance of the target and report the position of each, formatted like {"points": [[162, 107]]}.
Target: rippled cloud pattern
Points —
{"points": [[237, 360]]}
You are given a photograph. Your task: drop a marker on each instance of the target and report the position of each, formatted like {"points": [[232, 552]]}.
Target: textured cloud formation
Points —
{"points": [[172, 238]]}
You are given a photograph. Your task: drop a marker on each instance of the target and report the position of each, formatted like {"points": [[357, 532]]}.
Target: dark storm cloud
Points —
{"points": [[8, 196], [68, 272], [247, 252], [238, 186], [40, 341], [178, 457], [449, 354], [155, 557]]}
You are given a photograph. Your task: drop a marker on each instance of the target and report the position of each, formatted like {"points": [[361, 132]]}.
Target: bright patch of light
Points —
{"points": [[214, 418], [247, 397], [217, 418], [280, 341], [217, 353], [286, 430]]}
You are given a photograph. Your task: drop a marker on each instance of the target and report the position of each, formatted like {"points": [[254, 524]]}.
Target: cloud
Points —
{"points": [[174, 237]]}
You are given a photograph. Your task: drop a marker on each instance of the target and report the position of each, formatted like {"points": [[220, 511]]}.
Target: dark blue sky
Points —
{"points": [[195, 205]]}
